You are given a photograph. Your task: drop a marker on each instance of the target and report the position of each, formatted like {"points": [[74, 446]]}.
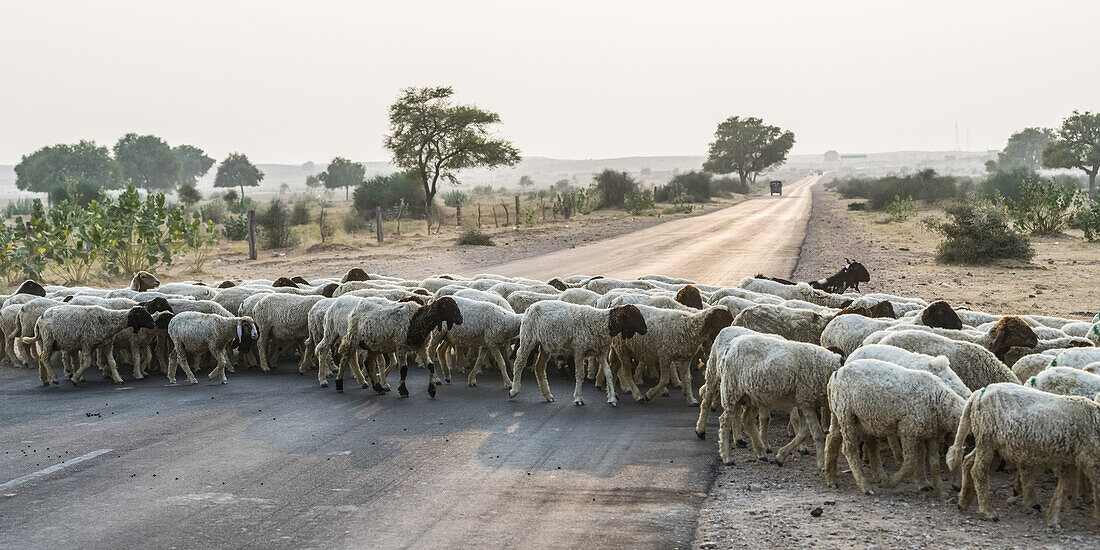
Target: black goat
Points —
{"points": [[850, 276]]}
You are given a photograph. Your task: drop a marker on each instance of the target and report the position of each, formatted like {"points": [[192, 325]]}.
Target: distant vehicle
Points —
{"points": [[776, 188]]}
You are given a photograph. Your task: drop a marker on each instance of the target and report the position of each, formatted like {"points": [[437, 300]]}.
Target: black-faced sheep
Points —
{"points": [[195, 332], [83, 329]]}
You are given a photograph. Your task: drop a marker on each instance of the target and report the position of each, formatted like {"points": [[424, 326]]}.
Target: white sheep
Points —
{"points": [[196, 332], [1066, 381], [579, 331], [799, 325], [939, 366], [712, 376], [847, 332], [871, 399], [84, 329], [799, 291], [1032, 429], [975, 365], [1072, 357], [486, 327], [283, 318]]}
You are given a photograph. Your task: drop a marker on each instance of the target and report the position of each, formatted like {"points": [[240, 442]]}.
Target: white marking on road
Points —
{"points": [[47, 471]]}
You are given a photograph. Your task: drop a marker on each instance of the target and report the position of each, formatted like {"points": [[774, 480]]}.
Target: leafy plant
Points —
{"points": [[18, 207], [455, 198], [1087, 219], [474, 237], [613, 187], [236, 228], [276, 227], [978, 232], [1041, 207], [213, 212], [901, 209], [8, 242], [299, 215], [637, 202], [678, 209]]}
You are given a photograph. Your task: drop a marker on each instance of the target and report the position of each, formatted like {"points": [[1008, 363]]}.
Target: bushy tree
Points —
{"points": [[237, 171], [194, 163], [76, 172], [342, 172], [147, 161], [978, 232], [1077, 146], [526, 181], [188, 194], [275, 226], [1041, 207], [613, 187], [1025, 149], [698, 185], [747, 147], [432, 138], [387, 191]]}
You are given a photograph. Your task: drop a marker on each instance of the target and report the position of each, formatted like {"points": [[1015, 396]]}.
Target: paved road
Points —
{"points": [[274, 461], [762, 235]]}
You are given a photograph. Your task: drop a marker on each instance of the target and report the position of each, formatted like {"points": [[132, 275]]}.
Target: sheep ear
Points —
{"points": [[240, 333]]}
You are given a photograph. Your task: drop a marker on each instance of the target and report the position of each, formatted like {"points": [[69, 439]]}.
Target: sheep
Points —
{"points": [[1066, 381], [355, 274], [847, 332], [231, 298], [1015, 353], [800, 291], [83, 329], [690, 296], [315, 326], [141, 343], [196, 332], [939, 366], [1073, 357], [284, 317], [580, 296], [202, 306], [506, 289], [1080, 329], [142, 281], [870, 398], [651, 300], [765, 373], [1032, 429], [975, 365], [486, 327], [756, 297], [29, 314], [393, 294], [1010, 331], [939, 314], [666, 279], [672, 339], [520, 300], [799, 325], [734, 304], [482, 295], [400, 328], [195, 291], [335, 331], [1030, 365], [30, 287], [603, 285], [561, 328], [709, 389]]}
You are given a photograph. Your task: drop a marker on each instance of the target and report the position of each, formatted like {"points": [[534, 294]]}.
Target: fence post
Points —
{"points": [[378, 221], [251, 234], [479, 215], [458, 215], [517, 210]]}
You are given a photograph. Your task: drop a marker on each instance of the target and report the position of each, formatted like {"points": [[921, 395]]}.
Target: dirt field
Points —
{"points": [[758, 504]]}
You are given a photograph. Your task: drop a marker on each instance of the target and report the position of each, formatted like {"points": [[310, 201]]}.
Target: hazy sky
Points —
{"points": [[297, 81]]}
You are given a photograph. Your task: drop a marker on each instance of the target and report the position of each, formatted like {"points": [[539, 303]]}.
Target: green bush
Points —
{"points": [[299, 215], [730, 185], [235, 228], [901, 209], [637, 202], [474, 237], [860, 206], [926, 185], [388, 192], [1041, 207], [613, 187], [213, 212], [678, 209], [275, 226], [978, 232], [18, 207], [1087, 219], [242, 205], [455, 198], [697, 185], [355, 222], [1006, 183]]}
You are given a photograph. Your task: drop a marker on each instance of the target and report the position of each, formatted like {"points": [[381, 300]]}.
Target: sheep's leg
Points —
{"points": [[983, 462], [753, 429], [180, 357], [503, 365], [725, 433], [626, 378], [896, 449], [1066, 478], [674, 376], [223, 362], [912, 458], [932, 453], [522, 353], [422, 354], [307, 357], [661, 384], [471, 378], [966, 482], [352, 357], [764, 419], [86, 354], [685, 370], [325, 365], [172, 363], [540, 375], [786, 450], [850, 447], [1025, 475], [578, 359], [136, 359], [833, 442], [45, 370], [109, 351], [874, 458], [442, 353], [611, 399], [262, 349]]}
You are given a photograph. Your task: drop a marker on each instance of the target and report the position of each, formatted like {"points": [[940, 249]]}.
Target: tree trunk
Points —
{"points": [[428, 212], [744, 182], [242, 192], [1092, 184]]}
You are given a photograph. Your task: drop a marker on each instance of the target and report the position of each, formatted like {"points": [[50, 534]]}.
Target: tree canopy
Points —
{"points": [[194, 163], [147, 161], [1025, 149], [1077, 145], [747, 147], [63, 171], [526, 181], [432, 138], [188, 194], [342, 172], [614, 186], [237, 171]]}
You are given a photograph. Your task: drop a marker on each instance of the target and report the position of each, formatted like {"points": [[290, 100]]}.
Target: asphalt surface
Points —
{"points": [[271, 460]]}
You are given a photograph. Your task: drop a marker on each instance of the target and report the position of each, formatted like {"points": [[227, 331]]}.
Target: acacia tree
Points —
{"points": [[342, 172], [147, 161], [1077, 146], [237, 171], [1025, 149], [78, 171], [526, 181], [432, 139], [747, 147], [194, 163]]}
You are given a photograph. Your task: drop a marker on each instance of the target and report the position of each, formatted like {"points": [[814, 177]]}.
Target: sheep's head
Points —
{"points": [[328, 290], [857, 310], [1011, 331], [939, 314], [227, 284], [143, 280], [440, 314], [558, 284], [162, 318], [883, 309], [689, 296], [246, 334], [139, 318], [300, 280], [156, 304], [31, 287], [626, 321], [355, 274], [284, 282], [857, 272], [717, 318]]}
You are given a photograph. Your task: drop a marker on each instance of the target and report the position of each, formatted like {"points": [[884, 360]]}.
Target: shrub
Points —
{"points": [[388, 192], [978, 232], [1041, 207], [697, 185], [235, 228], [275, 225], [901, 209], [213, 212], [730, 185], [637, 202], [18, 207], [861, 206], [613, 187], [455, 198], [474, 237], [925, 185], [1087, 219], [1006, 183], [678, 209], [299, 215], [242, 205], [355, 222], [188, 194]]}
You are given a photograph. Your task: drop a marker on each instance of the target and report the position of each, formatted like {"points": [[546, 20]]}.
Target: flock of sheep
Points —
{"points": [[852, 370]]}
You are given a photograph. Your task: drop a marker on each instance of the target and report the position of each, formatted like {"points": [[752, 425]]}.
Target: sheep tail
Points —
{"points": [[955, 453], [30, 340]]}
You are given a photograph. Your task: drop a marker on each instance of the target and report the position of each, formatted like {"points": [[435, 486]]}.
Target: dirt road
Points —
{"points": [[762, 235]]}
